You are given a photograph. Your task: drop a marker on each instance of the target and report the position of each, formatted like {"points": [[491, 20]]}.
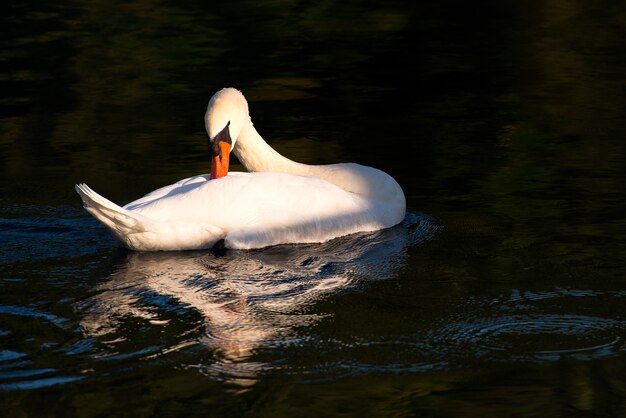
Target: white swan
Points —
{"points": [[280, 202]]}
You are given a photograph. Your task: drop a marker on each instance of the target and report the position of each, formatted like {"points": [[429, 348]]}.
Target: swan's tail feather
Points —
{"points": [[139, 232], [119, 220]]}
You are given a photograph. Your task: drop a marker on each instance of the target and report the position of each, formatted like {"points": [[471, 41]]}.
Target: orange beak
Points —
{"points": [[219, 163]]}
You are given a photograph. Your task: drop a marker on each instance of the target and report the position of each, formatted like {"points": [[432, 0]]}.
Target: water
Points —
{"points": [[502, 293]]}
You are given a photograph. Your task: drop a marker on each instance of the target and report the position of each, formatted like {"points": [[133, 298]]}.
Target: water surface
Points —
{"points": [[502, 293]]}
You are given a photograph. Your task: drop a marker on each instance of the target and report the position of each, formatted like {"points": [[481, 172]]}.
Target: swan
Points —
{"points": [[279, 201]]}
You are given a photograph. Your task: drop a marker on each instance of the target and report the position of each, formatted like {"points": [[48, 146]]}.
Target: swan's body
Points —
{"points": [[280, 202]]}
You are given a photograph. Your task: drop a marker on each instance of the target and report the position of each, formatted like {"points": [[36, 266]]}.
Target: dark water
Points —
{"points": [[502, 294]]}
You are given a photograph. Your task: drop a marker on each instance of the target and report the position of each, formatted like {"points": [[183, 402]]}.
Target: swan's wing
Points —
{"points": [[253, 210], [261, 209], [172, 189], [139, 232]]}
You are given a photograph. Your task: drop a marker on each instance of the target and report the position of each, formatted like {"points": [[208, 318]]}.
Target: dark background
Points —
{"points": [[503, 121]]}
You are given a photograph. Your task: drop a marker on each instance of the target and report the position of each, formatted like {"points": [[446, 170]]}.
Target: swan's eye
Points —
{"points": [[214, 148], [222, 136]]}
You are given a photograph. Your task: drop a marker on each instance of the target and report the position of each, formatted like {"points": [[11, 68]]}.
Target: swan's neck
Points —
{"points": [[256, 155]]}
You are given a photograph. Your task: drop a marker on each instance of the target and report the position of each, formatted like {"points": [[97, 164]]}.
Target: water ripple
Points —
{"points": [[39, 383], [34, 313], [30, 358], [59, 229], [531, 337], [8, 355], [154, 306], [242, 302]]}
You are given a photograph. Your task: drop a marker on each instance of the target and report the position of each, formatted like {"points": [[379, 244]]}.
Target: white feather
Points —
{"points": [[281, 202]]}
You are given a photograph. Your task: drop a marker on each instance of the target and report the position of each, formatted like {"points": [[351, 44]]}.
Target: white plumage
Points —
{"points": [[279, 202]]}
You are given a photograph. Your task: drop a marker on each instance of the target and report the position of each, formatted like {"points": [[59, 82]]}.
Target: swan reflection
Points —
{"points": [[246, 299]]}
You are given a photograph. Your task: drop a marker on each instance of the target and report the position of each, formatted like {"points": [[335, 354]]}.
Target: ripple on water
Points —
{"points": [[20, 371], [153, 305], [21, 364], [235, 304], [531, 333], [38, 383], [51, 234]]}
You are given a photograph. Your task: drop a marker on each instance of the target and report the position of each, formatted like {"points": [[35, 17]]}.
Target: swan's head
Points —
{"points": [[226, 115]]}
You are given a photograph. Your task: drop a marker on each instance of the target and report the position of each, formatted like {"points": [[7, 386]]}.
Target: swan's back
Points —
{"points": [[261, 209]]}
